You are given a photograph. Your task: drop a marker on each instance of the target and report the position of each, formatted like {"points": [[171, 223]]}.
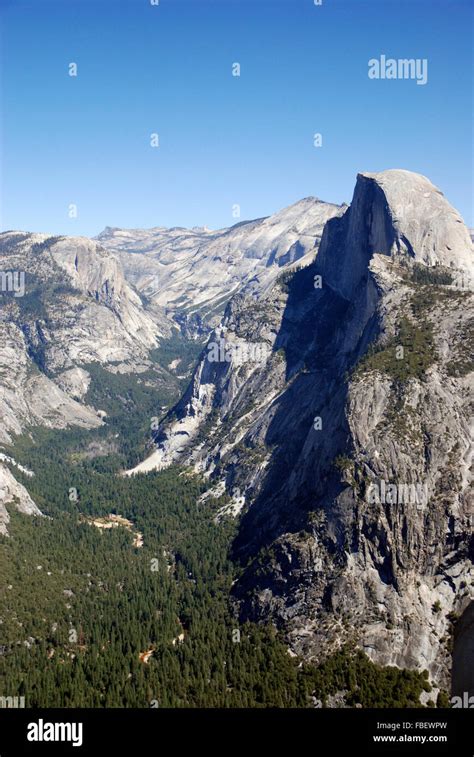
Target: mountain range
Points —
{"points": [[330, 402]]}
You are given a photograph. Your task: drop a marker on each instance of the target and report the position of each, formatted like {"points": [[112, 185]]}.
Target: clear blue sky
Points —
{"points": [[223, 140]]}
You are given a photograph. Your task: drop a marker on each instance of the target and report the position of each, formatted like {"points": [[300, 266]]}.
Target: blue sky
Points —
{"points": [[224, 140]]}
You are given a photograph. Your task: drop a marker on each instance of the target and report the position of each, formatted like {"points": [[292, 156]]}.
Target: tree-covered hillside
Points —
{"points": [[97, 612]]}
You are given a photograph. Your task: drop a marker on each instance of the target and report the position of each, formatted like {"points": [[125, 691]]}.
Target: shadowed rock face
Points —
{"points": [[324, 560], [398, 214], [463, 654], [425, 225]]}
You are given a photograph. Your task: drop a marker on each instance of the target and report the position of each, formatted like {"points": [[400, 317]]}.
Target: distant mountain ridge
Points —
{"points": [[192, 273], [112, 300]]}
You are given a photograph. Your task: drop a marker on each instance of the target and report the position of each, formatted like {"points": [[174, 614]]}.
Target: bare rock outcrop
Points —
{"points": [[13, 494]]}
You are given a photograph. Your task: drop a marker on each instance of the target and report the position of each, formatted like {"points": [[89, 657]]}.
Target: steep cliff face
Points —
{"points": [[346, 444], [75, 307], [64, 302], [399, 214]]}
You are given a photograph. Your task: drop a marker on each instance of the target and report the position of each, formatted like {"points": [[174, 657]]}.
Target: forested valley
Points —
{"points": [[101, 612]]}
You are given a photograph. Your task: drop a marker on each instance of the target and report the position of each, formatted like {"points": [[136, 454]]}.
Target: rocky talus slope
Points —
{"points": [[346, 443]]}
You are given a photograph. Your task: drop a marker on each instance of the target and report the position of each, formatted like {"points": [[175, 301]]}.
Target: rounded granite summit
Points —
{"points": [[425, 223]]}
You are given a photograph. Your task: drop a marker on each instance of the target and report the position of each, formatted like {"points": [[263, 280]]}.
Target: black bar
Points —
{"points": [[316, 731]]}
